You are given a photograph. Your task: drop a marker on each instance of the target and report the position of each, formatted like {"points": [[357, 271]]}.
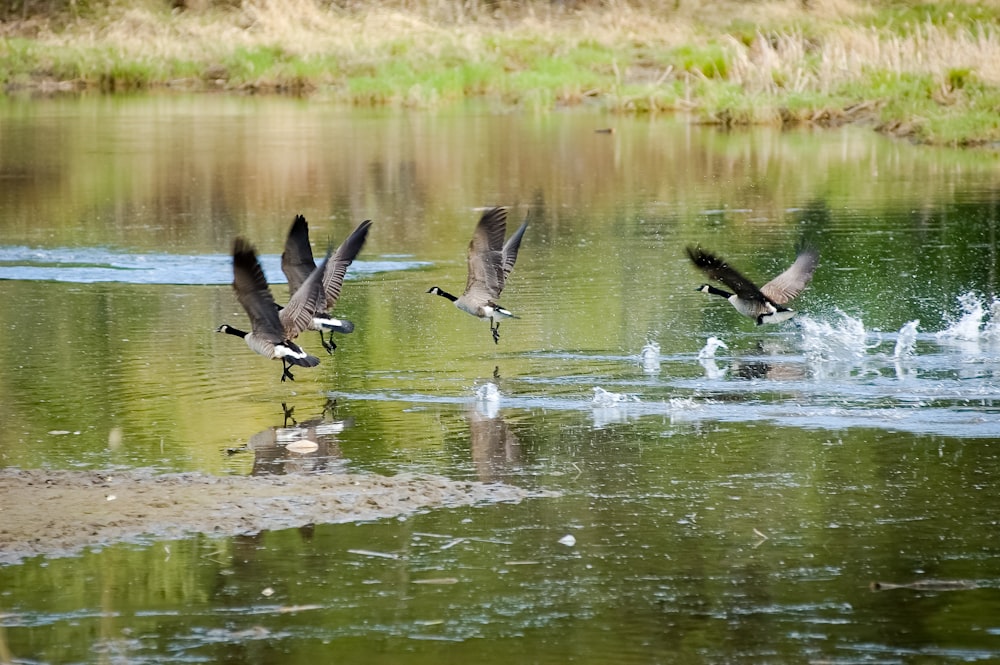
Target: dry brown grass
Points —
{"points": [[794, 62], [770, 51], [782, 53]]}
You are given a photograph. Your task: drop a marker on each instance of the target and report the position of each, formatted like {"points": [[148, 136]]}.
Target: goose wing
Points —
{"points": [[297, 260], [307, 301], [336, 266], [717, 269], [790, 283], [253, 293], [510, 251], [486, 275]]}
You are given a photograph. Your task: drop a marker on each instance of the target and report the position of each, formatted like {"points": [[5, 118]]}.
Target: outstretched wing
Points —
{"points": [[485, 258], [253, 293], [717, 269], [297, 260], [510, 251], [790, 283], [305, 303], [336, 266]]}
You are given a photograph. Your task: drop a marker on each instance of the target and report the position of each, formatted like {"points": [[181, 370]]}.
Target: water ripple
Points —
{"points": [[87, 265]]}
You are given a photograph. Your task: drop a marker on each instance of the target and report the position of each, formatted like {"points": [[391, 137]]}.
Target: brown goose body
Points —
{"points": [[765, 304], [490, 262], [272, 330]]}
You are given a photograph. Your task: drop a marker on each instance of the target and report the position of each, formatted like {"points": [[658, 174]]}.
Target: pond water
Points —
{"points": [[726, 503]]}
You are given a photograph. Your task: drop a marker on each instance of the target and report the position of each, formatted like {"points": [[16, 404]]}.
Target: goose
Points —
{"points": [[766, 303], [273, 329], [490, 262], [297, 263]]}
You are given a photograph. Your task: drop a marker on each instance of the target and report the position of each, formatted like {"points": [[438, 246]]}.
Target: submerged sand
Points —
{"points": [[63, 512]]}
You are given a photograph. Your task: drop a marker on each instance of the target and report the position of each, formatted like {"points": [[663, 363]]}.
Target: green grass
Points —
{"points": [[733, 67], [905, 16], [711, 61]]}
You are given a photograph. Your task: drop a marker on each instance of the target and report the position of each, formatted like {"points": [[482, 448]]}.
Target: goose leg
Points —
{"points": [[288, 414], [496, 332], [329, 346], [331, 406], [285, 365], [333, 345]]}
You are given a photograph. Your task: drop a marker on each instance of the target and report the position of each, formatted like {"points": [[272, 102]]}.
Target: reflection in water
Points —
{"points": [[836, 469], [496, 450], [768, 370], [302, 447]]}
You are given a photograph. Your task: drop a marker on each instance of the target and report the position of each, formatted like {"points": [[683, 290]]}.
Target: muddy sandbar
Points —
{"points": [[62, 512]]}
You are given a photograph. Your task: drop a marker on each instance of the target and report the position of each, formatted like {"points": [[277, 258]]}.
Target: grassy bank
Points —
{"points": [[927, 72]]}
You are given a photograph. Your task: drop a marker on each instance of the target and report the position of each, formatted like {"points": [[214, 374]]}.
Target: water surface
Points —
{"points": [[732, 506]]}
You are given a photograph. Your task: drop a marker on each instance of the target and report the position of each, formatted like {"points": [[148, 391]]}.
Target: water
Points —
{"points": [[720, 492]]}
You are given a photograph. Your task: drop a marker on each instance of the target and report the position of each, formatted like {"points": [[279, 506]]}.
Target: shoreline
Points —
{"points": [[931, 79]]}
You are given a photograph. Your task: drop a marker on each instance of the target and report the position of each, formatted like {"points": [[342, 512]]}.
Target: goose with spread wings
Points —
{"points": [[490, 262], [765, 304], [272, 329], [297, 263]]}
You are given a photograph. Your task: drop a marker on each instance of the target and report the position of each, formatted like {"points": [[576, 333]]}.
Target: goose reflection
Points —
{"points": [[750, 368], [307, 447], [496, 450]]}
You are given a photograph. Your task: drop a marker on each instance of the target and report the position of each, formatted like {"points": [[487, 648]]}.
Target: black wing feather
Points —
{"points": [[717, 269]]}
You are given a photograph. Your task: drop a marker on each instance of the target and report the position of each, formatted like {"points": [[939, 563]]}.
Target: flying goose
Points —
{"points": [[272, 329], [297, 263], [490, 263], [764, 304]]}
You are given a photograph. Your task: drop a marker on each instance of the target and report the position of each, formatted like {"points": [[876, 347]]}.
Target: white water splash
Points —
{"points": [[684, 409], [992, 328], [684, 404], [612, 408], [488, 392], [605, 398], [488, 400], [712, 369], [840, 341], [712, 344], [649, 358], [969, 325], [906, 340]]}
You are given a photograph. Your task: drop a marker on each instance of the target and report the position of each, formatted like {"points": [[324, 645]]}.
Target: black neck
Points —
{"points": [[229, 330], [718, 292], [445, 294]]}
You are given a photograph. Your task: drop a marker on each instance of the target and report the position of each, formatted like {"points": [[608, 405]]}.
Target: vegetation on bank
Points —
{"points": [[926, 71]]}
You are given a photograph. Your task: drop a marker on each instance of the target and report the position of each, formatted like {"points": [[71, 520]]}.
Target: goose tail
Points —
{"points": [[331, 324], [305, 361], [503, 311]]}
